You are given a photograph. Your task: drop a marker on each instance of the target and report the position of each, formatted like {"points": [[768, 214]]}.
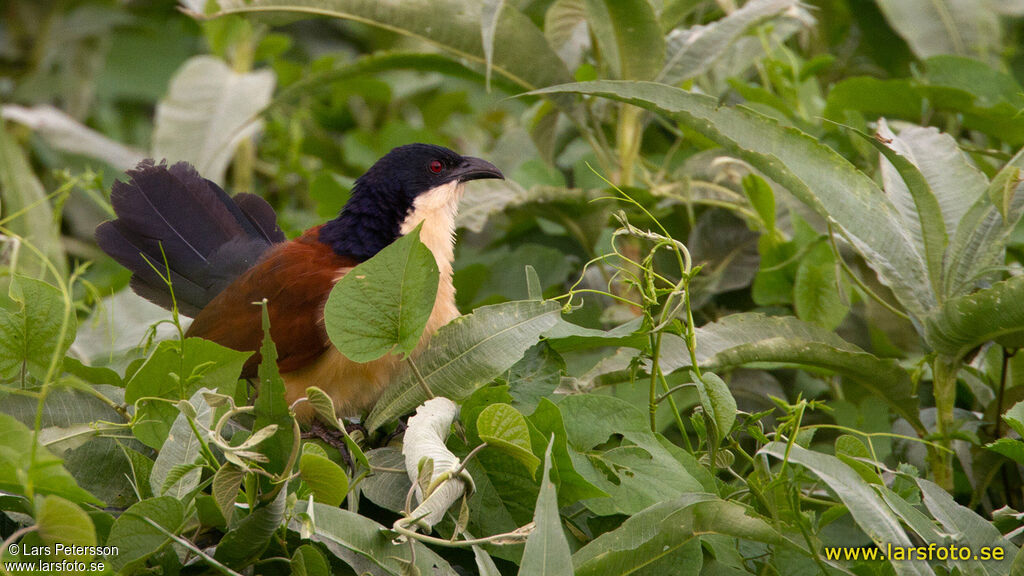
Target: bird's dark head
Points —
{"points": [[410, 184]]}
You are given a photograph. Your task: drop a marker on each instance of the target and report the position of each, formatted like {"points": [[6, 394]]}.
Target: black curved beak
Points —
{"points": [[476, 169]]}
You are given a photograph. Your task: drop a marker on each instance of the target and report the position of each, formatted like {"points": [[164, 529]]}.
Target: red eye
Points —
{"points": [[436, 166]]}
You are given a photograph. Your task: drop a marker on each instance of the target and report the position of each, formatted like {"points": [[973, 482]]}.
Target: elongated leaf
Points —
{"points": [[666, 536], [933, 27], [271, 409], [813, 172], [746, 338], [208, 111], [980, 240], [244, 543], [63, 132], [816, 289], [871, 513], [565, 27], [44, 473], [181, 448], [966, 322], [520, 51], [967, 528], [547, 550], [365, 545], [383, 304], [692, 51], [467, 353], [490, 12], [629, 36], [226, 483], [21, 192]]}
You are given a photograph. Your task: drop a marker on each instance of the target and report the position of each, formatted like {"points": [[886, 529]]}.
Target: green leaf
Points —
{"points": [[271, 409], [869, 511], [692, 51], [1009, 447], [21, 192], [244, 543], [308, 561], [175, 371], [490, 12], [816, 174], [535, 376], [816, 291], [39, 331], [382, 305], [933, 27], [467, 353], [1015, 417], [750, 338], [226, 483], [44, 472], [208, 110], [977, 249], [717, 401], [965, 322], [61, 521], [504, 428], [521, 52], [666, 536], [966, 527], [181, 449], [547, 550], [325, 479], [324, 407], [761, 198], [135, 538], [365, 545], [636, 471], [629, 36]]}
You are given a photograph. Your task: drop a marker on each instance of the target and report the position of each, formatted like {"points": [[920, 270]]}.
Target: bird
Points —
{"points": [[222, 254]]}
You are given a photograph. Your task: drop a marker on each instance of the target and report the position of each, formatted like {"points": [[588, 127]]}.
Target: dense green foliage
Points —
{"points": [[751, 291]]}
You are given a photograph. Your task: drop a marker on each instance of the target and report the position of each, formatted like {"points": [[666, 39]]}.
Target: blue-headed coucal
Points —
{"points": [[225, 253]]}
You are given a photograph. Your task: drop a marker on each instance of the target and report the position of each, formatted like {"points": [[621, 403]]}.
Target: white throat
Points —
{"points": [[437, 209]]}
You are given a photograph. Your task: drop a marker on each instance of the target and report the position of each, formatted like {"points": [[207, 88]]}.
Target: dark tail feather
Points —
{"points": [[172, 218]]}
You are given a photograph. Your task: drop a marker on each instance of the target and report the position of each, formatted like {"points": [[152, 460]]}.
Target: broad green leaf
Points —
{"points": [[565, 27], [1009, 447], [181, 449], [45, 472], [636, 472], [382, 305], [547, 550], [868, 509], [520, 51], [325, 479], [135, 538], [504, 428], [816, 290], [271, 409], [389, 483], [977, 249], [21, 192], [245, 542], [965, 322], [717, 401], [467, 353], [933, 27], [692, 51], [816, 174], [750, 338], [37, 334], [365, 545], [629, 36], [666, 537], [967, 527], [175, 371], [64, 522], [533, 377], [226, 483], [209, 109], [1015, 417], [547, 421]]}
